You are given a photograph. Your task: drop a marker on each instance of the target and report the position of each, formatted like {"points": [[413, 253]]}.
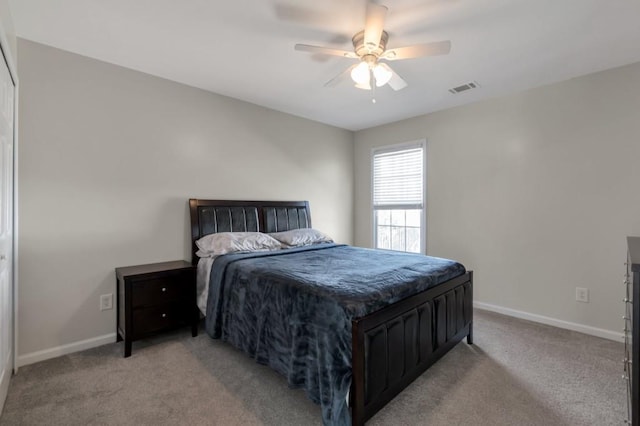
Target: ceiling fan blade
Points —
{"points": [[427, 49], [343, 76], [325, 50], [374, 24], [395, 82], [303, 15]]}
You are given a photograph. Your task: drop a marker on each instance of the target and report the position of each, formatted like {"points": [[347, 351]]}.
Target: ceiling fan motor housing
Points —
{"points": [[362, 50]]}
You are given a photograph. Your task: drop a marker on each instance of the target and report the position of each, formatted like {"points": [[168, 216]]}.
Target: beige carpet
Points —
{"points": [[517, 373]]}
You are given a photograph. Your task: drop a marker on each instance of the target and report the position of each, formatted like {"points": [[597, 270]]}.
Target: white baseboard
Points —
{"points": [[5, 378], [586, 329], [45, 354]]}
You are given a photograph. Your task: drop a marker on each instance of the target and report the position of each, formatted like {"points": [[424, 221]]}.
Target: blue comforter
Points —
{"points": [[292, 309]]}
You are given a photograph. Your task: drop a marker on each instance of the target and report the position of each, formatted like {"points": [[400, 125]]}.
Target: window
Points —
{"points": [[398, 192]]}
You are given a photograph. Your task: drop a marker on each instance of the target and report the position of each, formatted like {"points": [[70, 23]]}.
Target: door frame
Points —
{"points": [[6, 55]]}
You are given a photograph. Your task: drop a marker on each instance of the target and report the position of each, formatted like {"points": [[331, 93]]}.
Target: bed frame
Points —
{"points": [[390, 347]]}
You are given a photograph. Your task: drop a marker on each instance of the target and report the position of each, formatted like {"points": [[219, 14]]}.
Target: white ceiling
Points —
{"points": [[244, 48]]}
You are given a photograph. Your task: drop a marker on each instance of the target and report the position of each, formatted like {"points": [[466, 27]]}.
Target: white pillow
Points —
{"points": [[229, 242], [301, 237]]}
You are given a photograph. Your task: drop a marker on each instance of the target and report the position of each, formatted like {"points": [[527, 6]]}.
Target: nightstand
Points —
{"points": [[154, 298]]}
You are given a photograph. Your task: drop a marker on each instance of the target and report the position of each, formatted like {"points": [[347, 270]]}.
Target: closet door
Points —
{"points": [[7, 93]]}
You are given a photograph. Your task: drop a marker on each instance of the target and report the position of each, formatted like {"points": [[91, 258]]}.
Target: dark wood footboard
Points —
{"points": [[395, 345]]}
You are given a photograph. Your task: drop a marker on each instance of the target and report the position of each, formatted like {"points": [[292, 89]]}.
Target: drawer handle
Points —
{"points": [[164, 315], [164, 289]]}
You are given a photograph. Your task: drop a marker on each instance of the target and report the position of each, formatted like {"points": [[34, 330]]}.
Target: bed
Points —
{"points": [[389, 344]]}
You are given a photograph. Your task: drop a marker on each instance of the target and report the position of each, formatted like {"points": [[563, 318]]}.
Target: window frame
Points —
{"points": [[419, 143]]}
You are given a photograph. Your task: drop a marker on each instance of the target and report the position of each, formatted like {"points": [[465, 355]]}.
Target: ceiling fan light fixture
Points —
{"points": [[361, 74], [382, 75]]}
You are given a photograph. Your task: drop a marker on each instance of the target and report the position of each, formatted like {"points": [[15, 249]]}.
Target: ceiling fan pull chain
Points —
{"points": [[372, 83]]}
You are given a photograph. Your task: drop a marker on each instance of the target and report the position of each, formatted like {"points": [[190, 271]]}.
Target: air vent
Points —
{"points": [[464, 87]]}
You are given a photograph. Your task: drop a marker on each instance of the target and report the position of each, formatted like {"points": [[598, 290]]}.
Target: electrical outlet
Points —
{"points": [[582, 294], [106, 302]]}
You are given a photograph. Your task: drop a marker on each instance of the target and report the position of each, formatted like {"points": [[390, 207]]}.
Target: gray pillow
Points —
{"points": [[301, 237], [230, 242]]}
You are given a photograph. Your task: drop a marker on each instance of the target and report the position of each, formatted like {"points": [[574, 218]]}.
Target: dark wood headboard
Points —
{"points": [[211, 216]]}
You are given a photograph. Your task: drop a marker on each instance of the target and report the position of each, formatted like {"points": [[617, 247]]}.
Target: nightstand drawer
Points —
{"points": [[159, 290], [157, 318]]}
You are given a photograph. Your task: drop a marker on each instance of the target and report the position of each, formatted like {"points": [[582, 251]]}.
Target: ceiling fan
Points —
{"points": [[370, 48]]}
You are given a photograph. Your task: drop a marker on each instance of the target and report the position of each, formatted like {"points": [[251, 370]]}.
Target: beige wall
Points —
{"points": [[108, 159], [535, 192]]}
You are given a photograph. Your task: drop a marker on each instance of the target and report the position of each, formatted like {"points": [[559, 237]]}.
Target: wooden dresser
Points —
{"points": [[154, 298], [632, 330]]}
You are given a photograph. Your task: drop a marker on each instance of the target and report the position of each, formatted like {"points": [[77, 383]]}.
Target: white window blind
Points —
{"points": [[398, 178]]}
